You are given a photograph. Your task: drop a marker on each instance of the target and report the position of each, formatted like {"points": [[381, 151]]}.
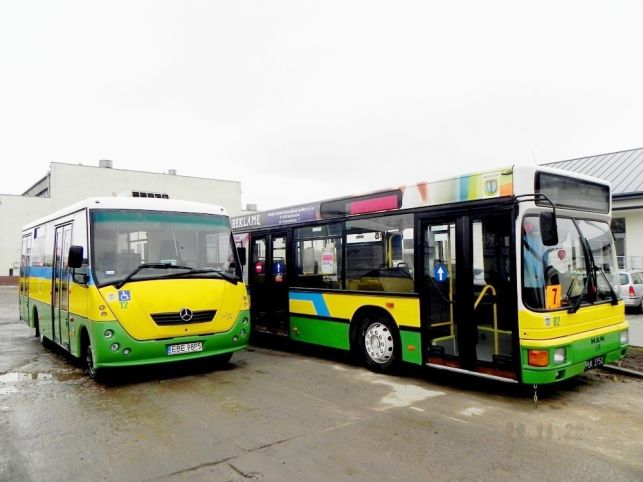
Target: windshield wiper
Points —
{"points": [[221, 274], [574, 308], [612, 292], [121, 283]]}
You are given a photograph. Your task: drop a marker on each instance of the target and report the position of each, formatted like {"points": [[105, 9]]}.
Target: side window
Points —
{"points": [[318, 253], [379, 254], [623, 278]]}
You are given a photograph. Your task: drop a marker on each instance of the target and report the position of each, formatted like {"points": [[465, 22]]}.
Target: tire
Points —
{"points": [[90, 368], [379, 343], [36, 324], [222, 360], [43, 341]]}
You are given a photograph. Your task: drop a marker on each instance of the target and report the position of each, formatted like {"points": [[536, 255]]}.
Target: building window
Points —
{"points": [[618, 228]]}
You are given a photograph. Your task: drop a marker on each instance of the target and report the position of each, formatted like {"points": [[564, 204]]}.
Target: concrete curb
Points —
{"points": [[623, 371]]}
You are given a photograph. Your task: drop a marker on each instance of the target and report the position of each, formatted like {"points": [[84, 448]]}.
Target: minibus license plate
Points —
{"points": [[595, 362], [185, 348]]}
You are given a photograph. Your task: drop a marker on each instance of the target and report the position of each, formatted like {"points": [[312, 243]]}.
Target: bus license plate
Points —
{"points": [[185, 348], [595, 362]]}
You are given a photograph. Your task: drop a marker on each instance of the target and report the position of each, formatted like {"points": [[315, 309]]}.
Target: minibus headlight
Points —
{"points": [[625, 338]]}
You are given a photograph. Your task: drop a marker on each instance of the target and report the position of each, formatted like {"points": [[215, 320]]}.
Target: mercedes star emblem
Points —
{"points": [[185, 314]]}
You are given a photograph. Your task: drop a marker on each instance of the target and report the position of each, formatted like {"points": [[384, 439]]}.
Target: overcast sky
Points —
{"points": [[302, 100]]}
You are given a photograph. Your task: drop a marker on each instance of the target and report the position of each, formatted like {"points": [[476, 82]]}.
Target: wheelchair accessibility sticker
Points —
{"points": [[123, 297]]}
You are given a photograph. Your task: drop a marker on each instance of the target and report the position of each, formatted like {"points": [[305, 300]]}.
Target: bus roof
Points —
{"points": [[145, 204], [498, 183]]}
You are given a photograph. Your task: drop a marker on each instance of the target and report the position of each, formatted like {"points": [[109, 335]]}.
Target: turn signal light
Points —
{"points": [[539, 358]]}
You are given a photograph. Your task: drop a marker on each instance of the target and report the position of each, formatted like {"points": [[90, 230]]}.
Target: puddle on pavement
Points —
{"points": [[20, 377]]}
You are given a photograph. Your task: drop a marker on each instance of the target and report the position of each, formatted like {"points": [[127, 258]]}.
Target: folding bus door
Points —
{"points": [[268, 283], [61, 284], [466, 293]]}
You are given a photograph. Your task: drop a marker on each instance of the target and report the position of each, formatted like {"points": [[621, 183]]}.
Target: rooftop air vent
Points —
{"points": [[158, 195]]}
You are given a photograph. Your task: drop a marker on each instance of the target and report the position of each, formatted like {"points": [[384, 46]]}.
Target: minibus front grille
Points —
{"points": [[175, 318]]}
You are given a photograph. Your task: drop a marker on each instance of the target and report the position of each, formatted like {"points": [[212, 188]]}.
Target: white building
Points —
{"points": [[65, 184], [624, 171]]}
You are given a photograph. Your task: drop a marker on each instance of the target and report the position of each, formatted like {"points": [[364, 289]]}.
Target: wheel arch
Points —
{"points": [[34, 322], [364, 312], [83, 340]]}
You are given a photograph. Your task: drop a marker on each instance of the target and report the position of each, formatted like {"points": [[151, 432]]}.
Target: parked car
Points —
{"points": [[632, 288]]}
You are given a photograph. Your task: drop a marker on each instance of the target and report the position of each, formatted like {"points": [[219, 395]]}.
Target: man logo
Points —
{"points": [[185, 314]]}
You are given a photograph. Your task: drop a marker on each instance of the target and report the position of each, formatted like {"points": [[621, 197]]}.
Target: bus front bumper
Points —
{"points": [[113, 347]]}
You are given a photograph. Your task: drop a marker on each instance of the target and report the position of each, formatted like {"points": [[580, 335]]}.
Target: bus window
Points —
{"points": [[375, 258], [318, 251]]}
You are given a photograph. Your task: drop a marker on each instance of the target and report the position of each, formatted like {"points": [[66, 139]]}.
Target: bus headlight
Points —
{"points": [[559, 356], [625, 338], [108, 333], [114, 347]]}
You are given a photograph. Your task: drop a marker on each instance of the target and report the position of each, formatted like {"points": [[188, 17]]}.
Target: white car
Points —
{"points": [[632, 288]]}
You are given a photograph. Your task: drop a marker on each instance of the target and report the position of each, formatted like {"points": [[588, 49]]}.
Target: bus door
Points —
{"points": [[61, 286], [466, 293], [268, 283], [25, 280]]}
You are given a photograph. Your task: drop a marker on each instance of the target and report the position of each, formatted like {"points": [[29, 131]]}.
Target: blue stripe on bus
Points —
{"points": [[317, 299], [40, 272], [45, 272]]}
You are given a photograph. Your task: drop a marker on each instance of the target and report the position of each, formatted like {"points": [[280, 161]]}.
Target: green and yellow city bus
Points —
{"points": [[509, 274], [126, 281]]}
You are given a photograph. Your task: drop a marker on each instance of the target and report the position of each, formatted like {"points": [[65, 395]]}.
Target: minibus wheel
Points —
{"points": [[90, 368]]}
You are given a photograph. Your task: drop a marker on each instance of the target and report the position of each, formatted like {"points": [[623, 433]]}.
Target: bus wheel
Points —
{"points": [[90, 368], [379, 344], [36, 325], [222, 360]]}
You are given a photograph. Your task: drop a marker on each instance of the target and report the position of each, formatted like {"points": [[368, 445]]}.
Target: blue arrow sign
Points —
{"points": [[277, 268], [440, 272]]}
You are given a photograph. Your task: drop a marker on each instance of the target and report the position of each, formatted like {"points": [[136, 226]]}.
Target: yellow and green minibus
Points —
{"points": [[126, 281], [509, 274]]}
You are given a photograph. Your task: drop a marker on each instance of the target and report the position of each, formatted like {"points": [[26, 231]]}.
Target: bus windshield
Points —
{"points": [[137, 245], [580, 269]]}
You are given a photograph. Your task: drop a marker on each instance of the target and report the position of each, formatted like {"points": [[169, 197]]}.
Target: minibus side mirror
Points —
{"points": [[75, 259], [548, 228], [242, 256]]}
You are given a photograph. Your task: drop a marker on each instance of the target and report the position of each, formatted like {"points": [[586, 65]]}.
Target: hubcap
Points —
{"points": [[378, 342]]}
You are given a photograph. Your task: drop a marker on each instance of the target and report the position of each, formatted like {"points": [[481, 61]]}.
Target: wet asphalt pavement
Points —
{"points": [[302, 414]]}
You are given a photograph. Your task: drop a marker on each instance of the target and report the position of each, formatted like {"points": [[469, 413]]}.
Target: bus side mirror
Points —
{"points": [[75, 259], [242, 256], [548, 228]]}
